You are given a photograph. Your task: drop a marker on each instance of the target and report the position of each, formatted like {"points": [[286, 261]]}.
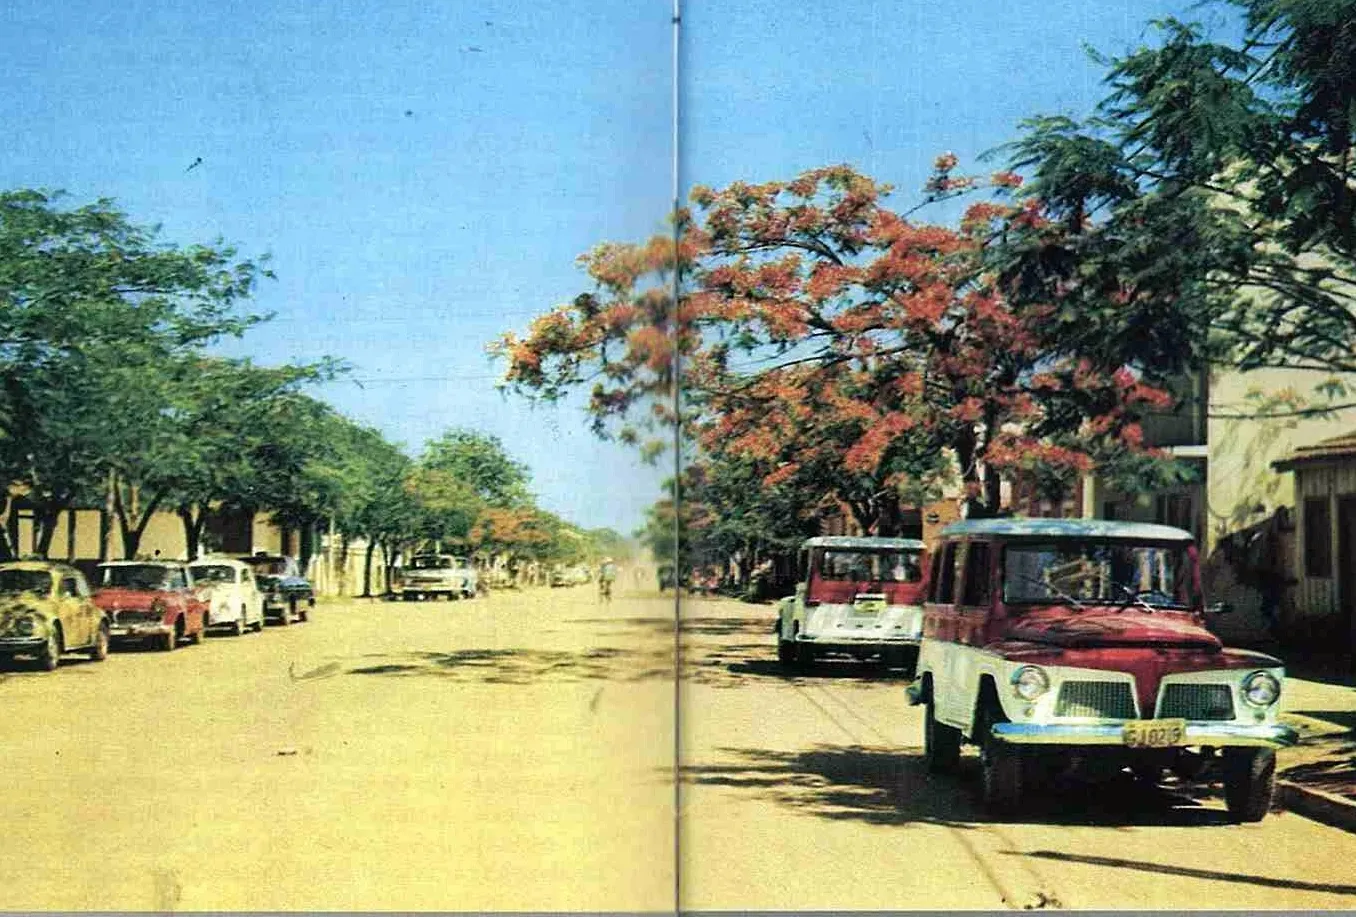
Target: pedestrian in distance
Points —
{"points": [[607, 572]]}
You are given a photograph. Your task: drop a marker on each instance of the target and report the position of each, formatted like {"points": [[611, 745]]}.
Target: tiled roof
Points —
{"points": [[1327, 450]]}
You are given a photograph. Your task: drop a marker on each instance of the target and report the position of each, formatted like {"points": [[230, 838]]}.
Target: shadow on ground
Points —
{"points": [[524, 666], [882, 786], [745, 649]]}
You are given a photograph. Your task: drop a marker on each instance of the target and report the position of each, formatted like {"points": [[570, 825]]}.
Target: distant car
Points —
{"points": [[432, 575], [46, 610], [152, 601], [230, 590], [860, 596], [287, 594]]}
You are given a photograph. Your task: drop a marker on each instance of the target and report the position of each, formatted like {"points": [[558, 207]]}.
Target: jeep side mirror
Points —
{"points": [[1219, 608]]}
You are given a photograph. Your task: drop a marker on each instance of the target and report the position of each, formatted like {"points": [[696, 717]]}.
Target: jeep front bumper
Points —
{"points": [[1198, 732]]}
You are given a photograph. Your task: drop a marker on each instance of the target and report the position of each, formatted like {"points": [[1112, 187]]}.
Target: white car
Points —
{"points": [[861, 597], [233, 595], [433, 575]]}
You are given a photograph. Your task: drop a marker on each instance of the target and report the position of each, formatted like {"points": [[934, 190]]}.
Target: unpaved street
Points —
{"points": [[809, 792], [517, 752], [514, 752]]}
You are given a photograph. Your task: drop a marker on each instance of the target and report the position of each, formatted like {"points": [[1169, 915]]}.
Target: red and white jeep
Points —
{"points": [[859, 596], [1050, 642]]}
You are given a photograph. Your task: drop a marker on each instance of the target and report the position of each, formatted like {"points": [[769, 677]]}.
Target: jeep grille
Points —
{"points": [[1103, 699], [1197, 702]]}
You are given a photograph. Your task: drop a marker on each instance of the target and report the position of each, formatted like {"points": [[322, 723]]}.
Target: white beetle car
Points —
{"points": [[232, 594]]}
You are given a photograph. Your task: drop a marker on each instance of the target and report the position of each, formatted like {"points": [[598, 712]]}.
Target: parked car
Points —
{"points": [[432, 575], [231, 593], [152, 601], [46, 610], [287, 594], [1082, 643], [858, 596]]}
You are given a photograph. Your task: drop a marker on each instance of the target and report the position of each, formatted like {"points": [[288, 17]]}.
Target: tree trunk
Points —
{"points": [[6, 546], [193, 525], [46, 519], [132, 518], [367, 569]]}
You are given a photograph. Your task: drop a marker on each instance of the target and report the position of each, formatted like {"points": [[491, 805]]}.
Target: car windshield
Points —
{"points": [[872, 566], [135, 576], [13, 582], [1080, 573], [213, 573], [269, 566], [431, 563]]}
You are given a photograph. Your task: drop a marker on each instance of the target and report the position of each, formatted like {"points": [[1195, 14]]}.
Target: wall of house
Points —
{"points": [[1241, 478], [1316, 597]]}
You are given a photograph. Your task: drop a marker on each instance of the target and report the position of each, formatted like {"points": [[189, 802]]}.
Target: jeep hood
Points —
{"points": [[1112, 627]]}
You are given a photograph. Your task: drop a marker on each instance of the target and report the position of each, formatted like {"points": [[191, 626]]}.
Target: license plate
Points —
{"points": [[1154, 733]]}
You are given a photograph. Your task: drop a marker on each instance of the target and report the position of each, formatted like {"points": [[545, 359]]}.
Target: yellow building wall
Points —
{"points": [[1240, 476], [265, 535]]}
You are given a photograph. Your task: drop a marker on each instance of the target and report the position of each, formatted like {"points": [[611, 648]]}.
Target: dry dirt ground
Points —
{"points": [[518, 753]]}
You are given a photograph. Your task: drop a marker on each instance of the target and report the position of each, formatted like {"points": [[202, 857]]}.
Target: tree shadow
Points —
{"points": [[524, 666], [1344, 718], [1190, 872], [884, 786]]}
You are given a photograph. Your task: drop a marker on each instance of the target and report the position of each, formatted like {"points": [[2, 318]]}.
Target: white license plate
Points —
{"points": [[1154, 733]]}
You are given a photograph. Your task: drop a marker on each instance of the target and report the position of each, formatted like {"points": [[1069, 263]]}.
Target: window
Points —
{"points": [[944, 589], [1317, 537], [978, 587], [871, 566], [68, 587]]}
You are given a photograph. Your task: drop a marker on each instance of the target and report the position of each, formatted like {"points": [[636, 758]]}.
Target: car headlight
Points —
{"points": [[26, 627], [1260, 689], [1029, 682]]}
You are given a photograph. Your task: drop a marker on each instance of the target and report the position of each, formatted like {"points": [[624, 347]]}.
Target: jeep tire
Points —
{"points": [[1249, 782], [941, 743], [1003, 770]]}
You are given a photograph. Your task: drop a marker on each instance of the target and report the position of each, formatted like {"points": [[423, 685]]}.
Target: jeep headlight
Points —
{"points": [[1260, 689], [1029, 682]]}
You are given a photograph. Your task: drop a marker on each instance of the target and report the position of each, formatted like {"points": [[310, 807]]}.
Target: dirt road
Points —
{"points": [[517, 753], [514, 752], [809, 792]]}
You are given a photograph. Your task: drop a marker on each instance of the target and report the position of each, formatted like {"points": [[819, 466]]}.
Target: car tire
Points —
{"points": [[803, 656], [49, 657], [1249, 782], [786, 652], [99, 651], [1002, 770], [941, 743]]}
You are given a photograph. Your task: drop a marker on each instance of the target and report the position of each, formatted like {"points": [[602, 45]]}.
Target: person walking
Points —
{"points": [[607, 573]]}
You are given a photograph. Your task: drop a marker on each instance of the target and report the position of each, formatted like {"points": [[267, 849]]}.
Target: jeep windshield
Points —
{"points": [[1084, 573], [871, 566]]}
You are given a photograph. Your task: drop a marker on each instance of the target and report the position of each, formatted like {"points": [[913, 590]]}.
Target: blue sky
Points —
{"points": [[424, 175]]}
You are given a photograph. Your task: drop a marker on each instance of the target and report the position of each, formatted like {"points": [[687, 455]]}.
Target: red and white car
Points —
{"points": [[150, 600], [1059, 643]]}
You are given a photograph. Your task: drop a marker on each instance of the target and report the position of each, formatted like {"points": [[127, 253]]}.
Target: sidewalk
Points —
{"points": [[1317, 778]]}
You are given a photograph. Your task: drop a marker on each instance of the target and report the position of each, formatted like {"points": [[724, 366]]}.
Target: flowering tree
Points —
{"points": [[841, 345]]}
